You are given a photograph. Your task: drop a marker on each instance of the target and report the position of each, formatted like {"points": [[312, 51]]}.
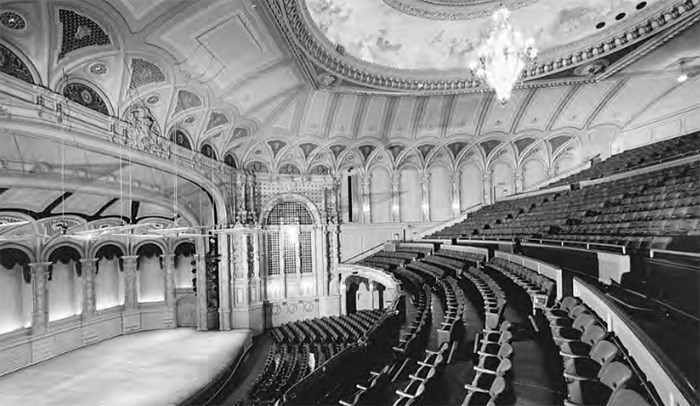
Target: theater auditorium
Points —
{"points": [[349, 202]]}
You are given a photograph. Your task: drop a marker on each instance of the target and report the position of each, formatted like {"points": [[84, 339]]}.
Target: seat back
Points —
{"points": [[583, 321], [506, 337], [505, 351], [504, 367], [615, 375], [604, 352], [505, 326], [577, 310], [497, 387], [626, 397], [593, 334]]}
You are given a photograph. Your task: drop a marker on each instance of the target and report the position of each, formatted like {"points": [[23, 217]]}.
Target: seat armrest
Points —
{"points": [[577, 377], [361, 387], [404, 394], [570, 355], [473, 388], [484, 370]]}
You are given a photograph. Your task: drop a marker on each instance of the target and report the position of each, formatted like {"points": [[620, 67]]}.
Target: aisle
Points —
{"points": [[150, 368]]}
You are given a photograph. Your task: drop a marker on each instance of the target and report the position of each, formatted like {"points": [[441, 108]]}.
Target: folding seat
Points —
{"points": [[406, 398], [590, 337], [611, 378], [564, 307], [602, 353], [563, 333], [490, 396], [486, 347], [487, 361]]}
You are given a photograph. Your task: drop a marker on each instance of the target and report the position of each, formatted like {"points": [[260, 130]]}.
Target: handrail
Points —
{"points": [[461, 217], [672, 386], [652, 252], [363, 254], [588, 244]]}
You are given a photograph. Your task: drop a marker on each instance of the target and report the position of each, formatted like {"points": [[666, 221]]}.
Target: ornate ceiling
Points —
{"points": [[252, 80]]}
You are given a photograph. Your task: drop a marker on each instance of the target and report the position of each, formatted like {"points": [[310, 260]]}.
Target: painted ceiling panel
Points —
{"points": [[119, 208], [373, 119], [541, 108], [151, 210], [465, 113], [315, 114], [431, 120], [500, 117], [343, 118], [28, 199], [583, 104], [682, 97], [634, 95], [403, 117], [255, 93], [87, 204]]}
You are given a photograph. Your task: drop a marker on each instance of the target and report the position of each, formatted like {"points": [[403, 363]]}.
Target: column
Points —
{"points": [[240, 199], [250, 194], [254, 282], [395, 198], [130, 282], [202, 310], [486, 180], [89, 304], [40, 310], [224, 283], [366, 204], [425, 197], [518, 181], [169, 279], [456, 198]]}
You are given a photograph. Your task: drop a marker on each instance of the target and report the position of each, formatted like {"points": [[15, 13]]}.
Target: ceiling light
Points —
{"points": [[682, 78], [503, 56]]}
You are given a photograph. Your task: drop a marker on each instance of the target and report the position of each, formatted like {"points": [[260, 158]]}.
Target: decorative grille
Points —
{"points": [[305, 251], [290, 262], [289, 213], [273, 254]]}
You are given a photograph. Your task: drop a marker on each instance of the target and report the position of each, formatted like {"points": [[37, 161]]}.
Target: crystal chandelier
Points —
{"points": [[503, 56]]}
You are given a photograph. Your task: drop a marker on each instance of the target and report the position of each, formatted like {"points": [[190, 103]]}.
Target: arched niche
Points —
{"points": [[471, 189], [180, 137], [185, 269], [534, 172], [440, 193], [409, 194], [208, 151], [109, 276], [151, 282], [65, 283], [15, 290], [380, 195], [502, 183]]}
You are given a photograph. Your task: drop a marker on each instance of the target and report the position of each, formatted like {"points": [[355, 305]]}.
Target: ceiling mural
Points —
{"points": [[376, 32]]}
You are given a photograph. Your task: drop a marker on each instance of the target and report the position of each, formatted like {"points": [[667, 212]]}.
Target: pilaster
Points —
{"points": [[395, 200], [169, 279], [130, 282], [40, 310], [366, 204], [425, 197], [456, 198], [89, 303]]}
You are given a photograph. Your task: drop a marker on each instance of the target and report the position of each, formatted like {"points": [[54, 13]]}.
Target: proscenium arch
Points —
{"points": [[290, 197]]}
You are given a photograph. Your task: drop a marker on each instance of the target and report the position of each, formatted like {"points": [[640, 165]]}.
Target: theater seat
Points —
{"points": [[627, 397], [600, 355], [597, 392], [487, 397], [590, 337]]}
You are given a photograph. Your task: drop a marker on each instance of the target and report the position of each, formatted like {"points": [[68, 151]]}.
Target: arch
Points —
{"points": [[409, 193], [290, 197], [151, 287], [208, 151], [93, 252], [88, 95], [534, 172], [15, 63], [184, 270], [380, 194], [289, 168], [149, 248], [109, 279], [15, 290], [471, 187], [48, 250], [280, 213], [502, 179], [440, 181], [27, 251], [230, 160], [180, 137], [65, 284], [257, 166]]}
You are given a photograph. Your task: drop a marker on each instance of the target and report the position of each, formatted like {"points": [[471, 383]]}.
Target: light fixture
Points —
{"points": [[683, 76], [503, 56]]}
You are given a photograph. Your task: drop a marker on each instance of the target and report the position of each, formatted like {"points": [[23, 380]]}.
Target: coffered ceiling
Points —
{"points": [[234, 75]]}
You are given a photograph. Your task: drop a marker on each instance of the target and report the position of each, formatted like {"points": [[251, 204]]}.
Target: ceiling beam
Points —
{"points": [[521, 110], [485, 107], [48, 209], [446, 114], [418, 115], [608, 96], [329, 118], [569, 95]]}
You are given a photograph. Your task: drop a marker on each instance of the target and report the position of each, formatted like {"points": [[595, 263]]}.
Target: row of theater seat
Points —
{"points": [[652, 214], [540, 288], [421, 376], [471, 258], [595, 368], [646, 155], [289, 357]]}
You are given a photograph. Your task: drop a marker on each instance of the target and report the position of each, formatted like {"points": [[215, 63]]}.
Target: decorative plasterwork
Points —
{"points": [[454, 10], [316, 56]]}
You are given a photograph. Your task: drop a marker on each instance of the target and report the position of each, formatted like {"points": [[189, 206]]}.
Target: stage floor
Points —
{"points": [[151, 368]]}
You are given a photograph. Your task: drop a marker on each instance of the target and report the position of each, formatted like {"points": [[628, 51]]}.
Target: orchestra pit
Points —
{"points": [[349, 202]]}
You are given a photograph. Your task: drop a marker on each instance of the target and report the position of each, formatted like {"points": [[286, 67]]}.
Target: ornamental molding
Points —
{"points": [[326, 66], [455, 10]]}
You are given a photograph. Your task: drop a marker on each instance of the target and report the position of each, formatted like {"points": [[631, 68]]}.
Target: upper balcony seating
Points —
{"points": [[639, 157], [541, 289], [659, 209], [595, 366]]}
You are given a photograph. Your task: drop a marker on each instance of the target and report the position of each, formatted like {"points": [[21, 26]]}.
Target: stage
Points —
{"points": [[151, 368]]}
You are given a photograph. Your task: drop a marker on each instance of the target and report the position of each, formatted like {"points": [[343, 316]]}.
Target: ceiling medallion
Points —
{"points": [[13, 21], [98, 69], [503, 56], [153, 99], [189, 120]]}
